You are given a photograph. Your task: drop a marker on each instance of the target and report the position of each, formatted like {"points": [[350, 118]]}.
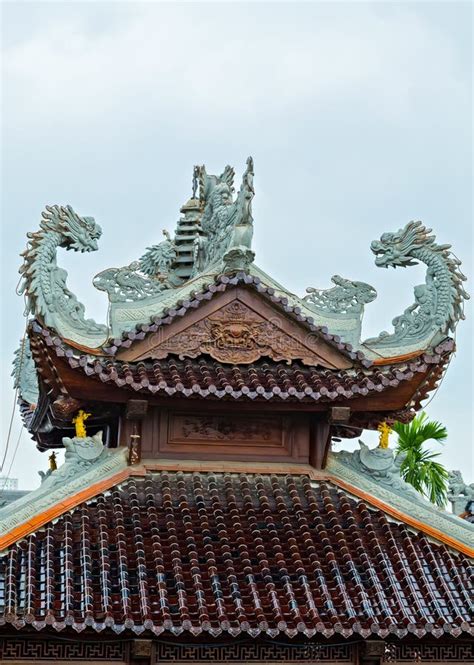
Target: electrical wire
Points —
{"points": [[2, 490], [7, 444], [17, 373]]}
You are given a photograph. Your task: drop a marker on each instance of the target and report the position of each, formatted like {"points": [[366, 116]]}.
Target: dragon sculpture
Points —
{"points": [[25, 379], [343, 298], [227, 225], [157, 260], [438, 303], [142, 279], [44, 282], [217, 238]]}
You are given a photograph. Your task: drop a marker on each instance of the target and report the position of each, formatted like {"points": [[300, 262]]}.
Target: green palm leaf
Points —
{"points": [[418, 466]]}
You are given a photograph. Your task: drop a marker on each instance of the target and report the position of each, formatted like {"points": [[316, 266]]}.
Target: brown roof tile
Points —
{"points": [[235, 553], [267, 380]]}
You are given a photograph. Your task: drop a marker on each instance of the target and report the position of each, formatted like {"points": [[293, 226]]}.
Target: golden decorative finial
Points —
{"points": [[78, 421], [52, 461], [385, 431]]}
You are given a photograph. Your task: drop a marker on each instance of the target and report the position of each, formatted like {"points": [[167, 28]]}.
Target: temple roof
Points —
{"points": [[236, 552], [210, 258], [214, 238]]}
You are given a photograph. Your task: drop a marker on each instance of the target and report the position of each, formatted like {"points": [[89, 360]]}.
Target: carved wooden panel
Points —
{"points": [[233, 430], [237, 329], [221, 435]]}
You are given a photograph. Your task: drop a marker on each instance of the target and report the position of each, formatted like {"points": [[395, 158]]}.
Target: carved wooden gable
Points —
{"points": [[237, 327]]}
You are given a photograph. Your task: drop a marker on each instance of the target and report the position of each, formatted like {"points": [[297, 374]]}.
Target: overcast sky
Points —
{"points": [[358, 117]]}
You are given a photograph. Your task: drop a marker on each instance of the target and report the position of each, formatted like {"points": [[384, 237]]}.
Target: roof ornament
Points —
{"points": [[145, 278], [52, 461], [438, 302], [44, 282], [385, 431], [79, 421], [227, 224], [195, 181], [157, 260], [379, 463], [459, 492], [25, 378], [126, 284], [86, 461], [345, 297]]}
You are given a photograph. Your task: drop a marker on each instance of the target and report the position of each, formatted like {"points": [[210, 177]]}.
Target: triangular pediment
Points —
{"points": [[237, 327]]}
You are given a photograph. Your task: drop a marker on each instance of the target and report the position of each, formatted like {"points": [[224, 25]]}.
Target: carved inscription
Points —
{"points": [[225, 429]]}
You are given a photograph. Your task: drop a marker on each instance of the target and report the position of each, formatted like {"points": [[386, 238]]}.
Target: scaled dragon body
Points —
{"points": [[438, 303], [25, 379], [44, 282]]}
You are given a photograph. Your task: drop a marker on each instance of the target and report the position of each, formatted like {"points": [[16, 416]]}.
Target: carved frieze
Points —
{"points": [[238, 334], [209, 428]]}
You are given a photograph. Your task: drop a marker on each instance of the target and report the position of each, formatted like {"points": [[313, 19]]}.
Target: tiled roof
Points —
{"points": [[205, 377], [235, 553]]}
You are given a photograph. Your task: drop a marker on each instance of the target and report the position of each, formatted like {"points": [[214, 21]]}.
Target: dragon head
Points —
{"points": [[395, 249], [78, 233]]}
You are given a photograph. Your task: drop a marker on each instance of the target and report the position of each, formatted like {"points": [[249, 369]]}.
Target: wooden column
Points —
{"points": [[320, 437], [135, 413]]}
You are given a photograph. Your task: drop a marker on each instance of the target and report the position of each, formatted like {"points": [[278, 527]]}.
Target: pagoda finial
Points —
{"points": [[78, 421], [385, 431]]}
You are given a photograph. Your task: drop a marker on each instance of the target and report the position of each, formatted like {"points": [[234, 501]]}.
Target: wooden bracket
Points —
{"points": [[136, 409], [339, 414]]}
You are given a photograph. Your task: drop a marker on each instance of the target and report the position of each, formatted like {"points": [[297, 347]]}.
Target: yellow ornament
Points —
{"points": [[78, 421], [385, 431], [52, 461]]}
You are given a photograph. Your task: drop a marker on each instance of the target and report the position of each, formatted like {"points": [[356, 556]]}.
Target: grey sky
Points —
{"points": [[358, 117]]}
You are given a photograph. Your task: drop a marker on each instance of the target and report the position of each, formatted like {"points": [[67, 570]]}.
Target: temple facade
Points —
{"points": [[200, 513]]}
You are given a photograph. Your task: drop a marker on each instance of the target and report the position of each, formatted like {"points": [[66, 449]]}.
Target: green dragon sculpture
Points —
{"points": [[25, 379], [438, 303], [346, 296], [227, 224], [44, 282]]}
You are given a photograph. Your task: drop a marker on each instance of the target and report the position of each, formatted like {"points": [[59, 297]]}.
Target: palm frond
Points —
{"points": [[418, 466]]}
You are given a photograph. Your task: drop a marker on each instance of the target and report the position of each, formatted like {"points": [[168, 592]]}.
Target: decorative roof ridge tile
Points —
{"points": [[374, 475], [89, 467]]}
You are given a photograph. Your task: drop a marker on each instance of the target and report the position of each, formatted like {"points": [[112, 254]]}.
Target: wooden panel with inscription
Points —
{"points": [[217, 435]]}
